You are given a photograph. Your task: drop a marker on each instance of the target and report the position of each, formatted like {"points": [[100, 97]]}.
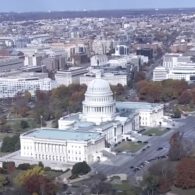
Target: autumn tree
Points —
{"points": [[150, 184], [185, 97], [35, 181], [161, 91], [118, 90], [165, 172], [139, 76], [176, 150], [185, 174], [39, 184], [20, 106]]}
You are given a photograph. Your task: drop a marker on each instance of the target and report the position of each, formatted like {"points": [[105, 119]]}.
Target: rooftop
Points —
{"points": [[64, 135], [137, 105]]}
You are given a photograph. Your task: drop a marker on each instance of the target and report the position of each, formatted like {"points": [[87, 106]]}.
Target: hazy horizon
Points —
{"points": [[80, 5]]}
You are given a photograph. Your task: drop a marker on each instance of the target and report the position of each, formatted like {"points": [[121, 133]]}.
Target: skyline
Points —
{"points": [[79, 5]]}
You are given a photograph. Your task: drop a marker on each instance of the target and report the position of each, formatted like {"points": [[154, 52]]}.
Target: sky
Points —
{"points": [[63, 5]]}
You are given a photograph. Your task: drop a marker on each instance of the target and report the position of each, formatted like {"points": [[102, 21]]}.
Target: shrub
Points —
{"points": [[47, 169], [81, 168], [24, 166]]}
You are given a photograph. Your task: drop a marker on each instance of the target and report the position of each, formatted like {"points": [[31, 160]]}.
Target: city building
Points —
{"points": [[100, 114], [62, 146], [17, 83], [99, 60], [113, 78], [70, 76], [148, 52], [82, 136], [160, 73], [10, 63], [151, 114], [33, 56], [121, 50]]}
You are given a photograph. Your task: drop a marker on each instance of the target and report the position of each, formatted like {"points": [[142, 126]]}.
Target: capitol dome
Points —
{"points": [[99, 104], [98, 86]]}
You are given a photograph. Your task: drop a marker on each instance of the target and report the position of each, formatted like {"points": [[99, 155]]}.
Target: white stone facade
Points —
{"points": [[150, 114], [160, 74], [99, 105], [11, 86], [113, 79], [99, 60], [61, 150]]}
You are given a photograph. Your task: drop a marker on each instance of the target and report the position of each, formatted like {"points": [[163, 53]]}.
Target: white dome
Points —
{"points": [[99, 104], [98, 86]]}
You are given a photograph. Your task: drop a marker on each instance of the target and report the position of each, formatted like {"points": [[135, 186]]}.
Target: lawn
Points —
{"points": [[182, 192], [2, 135], [15, 123], [156, 131], [125, 187], [128, 147]]}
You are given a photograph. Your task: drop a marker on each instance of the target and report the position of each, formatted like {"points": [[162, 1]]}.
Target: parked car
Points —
{"points": [[160, 148]]}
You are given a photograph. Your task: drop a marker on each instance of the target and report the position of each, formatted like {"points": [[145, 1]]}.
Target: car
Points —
{"points": [[168, 128], [160, 148], [148, 146], [164, 156], [146, 142], [136, 169], [131, 167]]}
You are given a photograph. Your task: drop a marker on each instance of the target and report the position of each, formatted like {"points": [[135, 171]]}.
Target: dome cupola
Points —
{"points": [[99, 105]]}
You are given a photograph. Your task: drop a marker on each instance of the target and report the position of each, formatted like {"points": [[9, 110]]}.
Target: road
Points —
{"points": [[126, 161], [149, 72]]}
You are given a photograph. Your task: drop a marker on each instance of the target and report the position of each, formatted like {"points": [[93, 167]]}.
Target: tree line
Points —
{"points": [[52, 105], [178, 170], [164, 91]]}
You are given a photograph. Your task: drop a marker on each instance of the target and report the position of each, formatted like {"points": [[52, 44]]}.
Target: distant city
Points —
{"points": [[97, 102]]}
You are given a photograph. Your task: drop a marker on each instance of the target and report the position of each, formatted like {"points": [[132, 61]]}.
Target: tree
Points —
{"points": [[185, 175], [21, 106], [81, 168], [139, 76], [24, 124], [101, 188], [165, 172], [41, 164], [34, 181], [150, 184], [3, 181], [176, 150], [39, 184], [10, 144], [24, 166], [21, 178], [176, 113], [185, 97]]}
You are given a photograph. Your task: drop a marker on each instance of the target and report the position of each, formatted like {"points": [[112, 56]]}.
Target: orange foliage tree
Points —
{"points": [[185, 174]]}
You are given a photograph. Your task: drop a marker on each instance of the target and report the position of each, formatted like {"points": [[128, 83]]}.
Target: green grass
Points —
{"points": [[156, 131], [129, 147], [125, 187], [178, 191], [15, 124], [2, 135], [3, 154], [53, 174]]}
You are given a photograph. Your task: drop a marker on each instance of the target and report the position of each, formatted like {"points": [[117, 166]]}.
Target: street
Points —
{"points": [[126, 160]]}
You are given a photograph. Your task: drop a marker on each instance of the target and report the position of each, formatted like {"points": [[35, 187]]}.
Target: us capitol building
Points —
{"points": [[83, 136]]}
